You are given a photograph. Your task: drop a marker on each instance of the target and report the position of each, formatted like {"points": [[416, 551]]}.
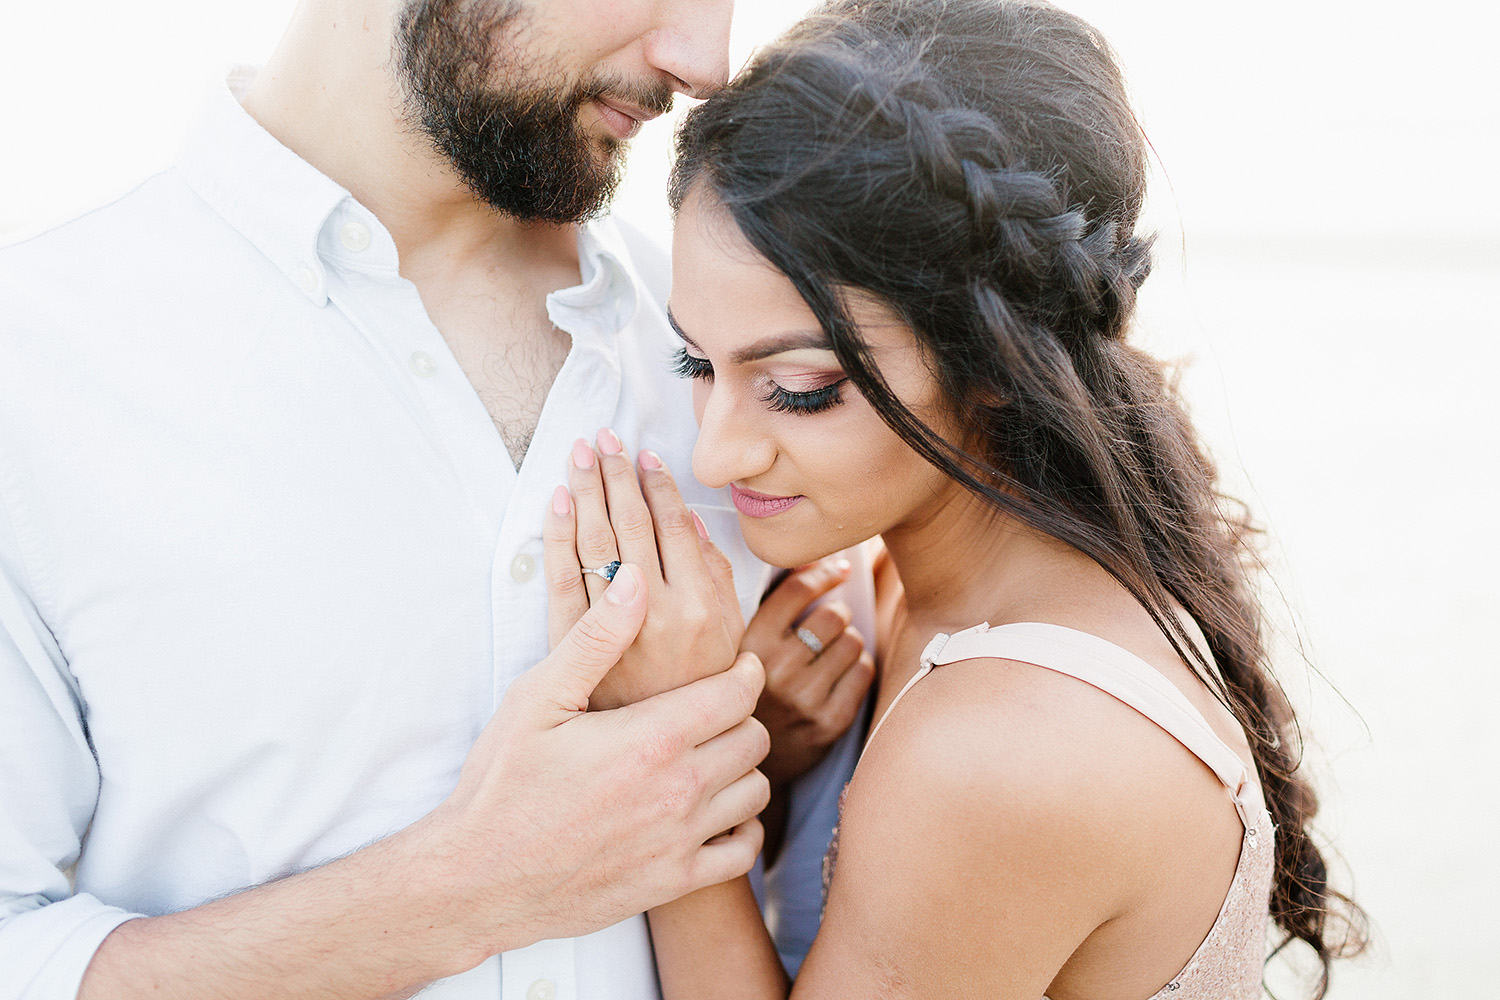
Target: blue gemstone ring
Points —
{"points": [[608, 570]]}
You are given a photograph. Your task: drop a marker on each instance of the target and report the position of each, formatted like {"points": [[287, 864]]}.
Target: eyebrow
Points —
{"points": [[795, 340]]}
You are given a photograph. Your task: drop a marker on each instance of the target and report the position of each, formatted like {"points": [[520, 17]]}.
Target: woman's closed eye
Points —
{"points": [[685, 365], [779, 398], [814, 401]]}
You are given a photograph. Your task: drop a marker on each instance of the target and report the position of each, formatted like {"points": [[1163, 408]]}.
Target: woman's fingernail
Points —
{"points": [[650, 460], [702, 528], [608, 443], [562, 503], [583, 455], [622, 588], [843, 566]]}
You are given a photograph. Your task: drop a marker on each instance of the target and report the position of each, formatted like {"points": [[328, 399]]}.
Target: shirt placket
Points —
{"points": [[389, 311], [583, 398]]}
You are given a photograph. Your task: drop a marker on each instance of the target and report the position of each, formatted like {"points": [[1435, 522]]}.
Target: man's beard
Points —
{"points": [[521, 149]]}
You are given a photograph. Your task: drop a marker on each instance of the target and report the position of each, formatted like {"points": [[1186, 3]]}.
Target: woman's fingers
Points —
{"points": [[809, 685], [722, 574], [596, 547], [629, 517], [677, 536], [567, 597], [848, 693], [823, 624], [789, 599]]}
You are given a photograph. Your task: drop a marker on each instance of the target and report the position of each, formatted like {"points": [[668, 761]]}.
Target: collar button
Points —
{"points": [[355, 236]]}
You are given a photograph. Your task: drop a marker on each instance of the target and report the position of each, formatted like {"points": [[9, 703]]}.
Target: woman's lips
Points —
{"points": [[753, 504]]}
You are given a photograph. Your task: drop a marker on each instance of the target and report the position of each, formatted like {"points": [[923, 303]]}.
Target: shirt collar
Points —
{"points": [[272, 196], [282, 204], [608, 286]]}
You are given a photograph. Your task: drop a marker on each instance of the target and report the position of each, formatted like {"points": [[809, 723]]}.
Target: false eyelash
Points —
{"points": [[784, 401], [685, 365]]}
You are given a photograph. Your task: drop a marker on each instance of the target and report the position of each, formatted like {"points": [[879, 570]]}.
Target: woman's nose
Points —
{"points": [[731, 445]]}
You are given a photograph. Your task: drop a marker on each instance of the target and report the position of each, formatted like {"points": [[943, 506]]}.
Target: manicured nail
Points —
{"points": [[702, 528], [843, 566], [650, 460], [583, 455], [562, 503], [608, 443], [623, 587]]}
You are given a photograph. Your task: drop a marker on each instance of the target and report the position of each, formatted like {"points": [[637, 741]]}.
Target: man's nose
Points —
{"points": [[691, 44]]}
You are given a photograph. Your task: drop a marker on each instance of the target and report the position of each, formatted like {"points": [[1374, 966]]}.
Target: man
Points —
{"points": [[277, 430]]}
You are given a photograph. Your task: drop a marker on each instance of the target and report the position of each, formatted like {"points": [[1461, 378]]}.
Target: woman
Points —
{"points": [[905, 267]]}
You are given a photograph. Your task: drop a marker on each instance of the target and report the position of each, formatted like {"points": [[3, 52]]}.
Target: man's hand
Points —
{"points": [[563, 822], [585, 818]]}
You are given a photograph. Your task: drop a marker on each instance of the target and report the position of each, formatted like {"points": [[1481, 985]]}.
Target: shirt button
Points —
{"points": [[355, 236], [422, 364], [542, 989], [307, 280], [522, 568]]}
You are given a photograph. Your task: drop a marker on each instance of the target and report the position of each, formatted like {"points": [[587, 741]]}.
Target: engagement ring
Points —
{"points": [[608, 571]]}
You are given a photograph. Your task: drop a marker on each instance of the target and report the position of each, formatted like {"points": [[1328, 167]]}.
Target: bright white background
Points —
{"points": [[1329, 268]]}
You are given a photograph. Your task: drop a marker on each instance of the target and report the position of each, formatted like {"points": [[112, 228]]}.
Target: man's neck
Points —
{"points": [[329, 94]]}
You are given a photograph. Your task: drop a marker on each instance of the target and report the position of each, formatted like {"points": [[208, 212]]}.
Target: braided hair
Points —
{"points": [[976, 165]]}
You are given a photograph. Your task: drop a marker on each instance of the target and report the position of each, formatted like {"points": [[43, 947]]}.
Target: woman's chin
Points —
{"points": [[785, 550]]}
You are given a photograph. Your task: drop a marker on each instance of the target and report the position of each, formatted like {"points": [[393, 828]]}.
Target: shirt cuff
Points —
{"points": [[45, 951]]}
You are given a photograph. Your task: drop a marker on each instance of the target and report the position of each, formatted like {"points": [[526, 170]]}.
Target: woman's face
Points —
{"points": [[811, 466]]}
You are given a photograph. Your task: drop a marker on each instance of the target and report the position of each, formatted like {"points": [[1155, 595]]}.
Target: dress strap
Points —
{"points": [[1109, 668]]}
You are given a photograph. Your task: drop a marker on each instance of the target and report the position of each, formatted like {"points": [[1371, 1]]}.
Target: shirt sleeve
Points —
{"points": [[49, 784]]}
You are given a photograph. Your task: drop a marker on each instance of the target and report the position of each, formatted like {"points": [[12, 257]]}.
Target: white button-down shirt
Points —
{"points": [[266, 567]]}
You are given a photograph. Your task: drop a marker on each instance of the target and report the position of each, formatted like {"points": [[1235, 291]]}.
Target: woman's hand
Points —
{"points": [[817, 669], [613, 512]]}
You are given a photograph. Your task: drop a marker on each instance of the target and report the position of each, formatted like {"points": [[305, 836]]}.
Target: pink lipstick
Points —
{"points": [[753, 504]]}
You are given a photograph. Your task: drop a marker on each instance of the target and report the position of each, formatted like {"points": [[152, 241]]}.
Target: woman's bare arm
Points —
{"points": [[964, 867]]}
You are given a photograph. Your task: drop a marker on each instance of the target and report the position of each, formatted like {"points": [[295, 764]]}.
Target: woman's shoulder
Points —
{"points": [[991, 806], [1026, 734], [1044, 764]]}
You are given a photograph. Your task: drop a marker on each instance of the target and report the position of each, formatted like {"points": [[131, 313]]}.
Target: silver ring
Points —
{"points": [[809, 640], [608, 570]]}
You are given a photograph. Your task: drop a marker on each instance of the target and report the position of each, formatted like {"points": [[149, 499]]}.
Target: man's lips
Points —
{"points": [[623, 119], [753, 504]]}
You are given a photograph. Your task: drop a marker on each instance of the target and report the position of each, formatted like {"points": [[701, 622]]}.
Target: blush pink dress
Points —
{"points": [[1228, 964]]}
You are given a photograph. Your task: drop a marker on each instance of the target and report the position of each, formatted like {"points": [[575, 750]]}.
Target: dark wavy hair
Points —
{"points": [[976, 165]]}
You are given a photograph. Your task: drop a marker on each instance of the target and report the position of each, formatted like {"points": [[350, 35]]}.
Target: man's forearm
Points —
{"points": [[632, 798], [364, 926]]}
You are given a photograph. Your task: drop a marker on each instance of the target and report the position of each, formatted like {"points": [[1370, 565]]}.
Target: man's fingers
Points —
{"points": [[726, 758], [740, 801], [727, 856], [560, 685], [699, 711], [567, 598], [790, 598]]}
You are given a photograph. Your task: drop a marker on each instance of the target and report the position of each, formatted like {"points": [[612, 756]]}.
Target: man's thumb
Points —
{"points": [[562, 683]]}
